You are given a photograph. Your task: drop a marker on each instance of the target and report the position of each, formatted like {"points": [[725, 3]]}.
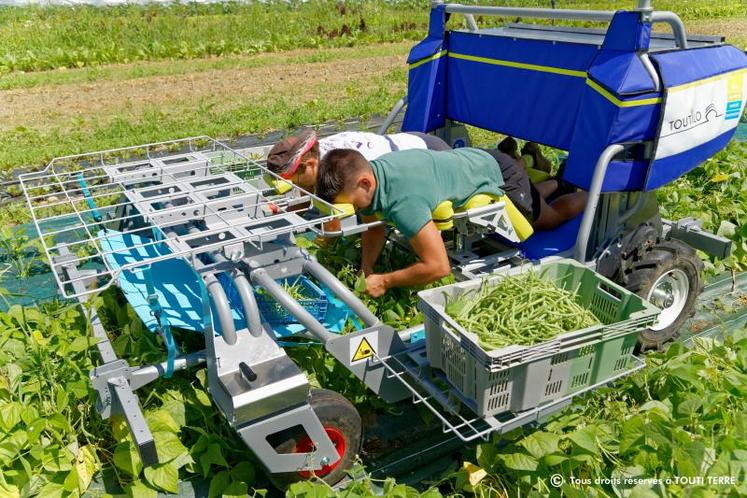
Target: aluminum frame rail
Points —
{"points": [[411, 368], [644, 6], [175, 199]]}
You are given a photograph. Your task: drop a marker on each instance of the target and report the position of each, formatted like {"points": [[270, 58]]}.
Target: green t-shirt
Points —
{"points": [[411, 183]]}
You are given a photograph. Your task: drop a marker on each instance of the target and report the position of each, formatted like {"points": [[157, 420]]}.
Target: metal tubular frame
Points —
{"points": [[595, 192], [667, 17], [181, 195], [401, 103], [469, 427]]}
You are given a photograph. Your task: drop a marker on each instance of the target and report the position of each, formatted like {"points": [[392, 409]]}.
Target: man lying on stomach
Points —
{"points": [[405, 187]]}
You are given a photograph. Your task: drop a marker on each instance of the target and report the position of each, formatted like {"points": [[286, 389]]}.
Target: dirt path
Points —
{"points": [[48, 107], [733, 28]]}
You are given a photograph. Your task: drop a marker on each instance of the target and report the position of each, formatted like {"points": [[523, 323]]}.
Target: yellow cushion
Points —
{"points": [[341, 210], [281, 186], [443, 216]]}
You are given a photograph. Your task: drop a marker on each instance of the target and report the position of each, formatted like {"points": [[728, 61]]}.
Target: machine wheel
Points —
{"points": [[343, 425], [669, 276]]}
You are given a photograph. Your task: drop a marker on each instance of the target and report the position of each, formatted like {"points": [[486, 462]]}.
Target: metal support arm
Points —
{"points": [[678, 28], [262, 278], [595, 192], [401, 103], [339, 290]]}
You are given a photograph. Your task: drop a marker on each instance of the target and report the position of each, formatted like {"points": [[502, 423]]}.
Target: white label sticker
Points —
{"points": [[699, 112]]}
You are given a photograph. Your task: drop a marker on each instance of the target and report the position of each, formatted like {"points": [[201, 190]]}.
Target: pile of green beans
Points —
{"points": [[523, 310], [296, 290]]}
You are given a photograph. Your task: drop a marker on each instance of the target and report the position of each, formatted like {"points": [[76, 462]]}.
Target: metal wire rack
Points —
{"points": [[123, 209], [433, 391]]}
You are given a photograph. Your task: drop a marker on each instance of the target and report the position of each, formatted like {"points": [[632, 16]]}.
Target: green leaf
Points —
{"points": [[360, 284], [127, 459], [161, 421], [203, 397], [519, 461], [213, 455], [660, 406], [487, 456], [727, 229], [244, 472], [86, 465], [585, 439], [11, 416], [9, 490], [539, 444], [390, 316], [139, 489], [164, 476], [235, 490], [52, 490], [57, 460], [168, 445], [308, 489], [552, 460], [631, 433], [218, 483]]}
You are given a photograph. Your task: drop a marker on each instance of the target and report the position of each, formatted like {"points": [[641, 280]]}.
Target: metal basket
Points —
{"points": [[316, 303]]}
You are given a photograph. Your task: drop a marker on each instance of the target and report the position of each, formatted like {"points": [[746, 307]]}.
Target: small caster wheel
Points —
{"points": [[343, 425], [669, 276]]}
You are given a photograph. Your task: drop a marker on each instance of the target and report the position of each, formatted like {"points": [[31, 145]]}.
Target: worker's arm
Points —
{"points": [[433, 264], [372, 242]]}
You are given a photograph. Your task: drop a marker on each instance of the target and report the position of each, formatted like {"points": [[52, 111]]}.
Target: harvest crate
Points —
{"points": [[272, 312], [316, 303], [517, 378]]}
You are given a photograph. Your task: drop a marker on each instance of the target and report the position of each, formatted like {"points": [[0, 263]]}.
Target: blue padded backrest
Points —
{"points": [[531, 89]]}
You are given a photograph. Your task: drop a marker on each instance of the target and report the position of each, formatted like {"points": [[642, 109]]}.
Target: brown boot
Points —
{"points": [[509, 146], [540, 162]]}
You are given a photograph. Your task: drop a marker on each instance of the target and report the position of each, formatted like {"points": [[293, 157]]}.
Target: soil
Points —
{"points": [[97, 103]]}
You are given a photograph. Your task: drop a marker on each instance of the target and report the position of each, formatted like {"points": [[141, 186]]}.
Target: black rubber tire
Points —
{"points": [[662, 257], [333, 410]]}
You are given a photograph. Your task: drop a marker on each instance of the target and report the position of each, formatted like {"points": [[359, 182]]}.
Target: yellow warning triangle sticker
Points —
{"points": [[364, 351]]}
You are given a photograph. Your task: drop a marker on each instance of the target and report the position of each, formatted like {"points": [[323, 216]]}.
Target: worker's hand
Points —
{"points": [[376, 285]]}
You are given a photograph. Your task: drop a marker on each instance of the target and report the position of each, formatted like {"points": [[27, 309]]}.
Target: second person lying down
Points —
{"points": [[296, 158]]}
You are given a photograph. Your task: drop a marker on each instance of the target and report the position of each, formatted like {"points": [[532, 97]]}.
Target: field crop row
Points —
{"points": [[39, 38]]}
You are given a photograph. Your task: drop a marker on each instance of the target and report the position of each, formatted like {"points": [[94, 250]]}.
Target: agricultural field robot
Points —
{"points": [[198, 238]]}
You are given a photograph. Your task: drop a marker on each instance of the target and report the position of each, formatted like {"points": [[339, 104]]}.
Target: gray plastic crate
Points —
{"points": [[519, 378], [619, 311]]}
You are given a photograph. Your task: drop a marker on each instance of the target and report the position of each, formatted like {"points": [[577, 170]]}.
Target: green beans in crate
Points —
{"points": [[517, 378]]}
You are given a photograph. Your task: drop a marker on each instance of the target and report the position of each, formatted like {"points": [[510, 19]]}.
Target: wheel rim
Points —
{"points": [[669, 293], [306, 445]]}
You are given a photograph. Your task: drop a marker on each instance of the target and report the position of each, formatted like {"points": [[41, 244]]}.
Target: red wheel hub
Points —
{"points": [[306, 445]]}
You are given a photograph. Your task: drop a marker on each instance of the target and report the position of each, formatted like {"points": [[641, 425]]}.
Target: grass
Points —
{"points": [[365, 97], [34, 38], [145, 69]]}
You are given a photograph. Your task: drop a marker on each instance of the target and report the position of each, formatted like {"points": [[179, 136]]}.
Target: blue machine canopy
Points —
{"points": [[583, 97]]}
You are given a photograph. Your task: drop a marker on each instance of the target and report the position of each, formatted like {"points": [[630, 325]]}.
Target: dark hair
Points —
{"points": [[337, 171]]}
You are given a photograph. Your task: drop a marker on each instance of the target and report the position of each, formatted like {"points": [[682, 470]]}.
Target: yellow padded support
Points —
{"points": [[443, 216], [280, 186], [342, 210]]}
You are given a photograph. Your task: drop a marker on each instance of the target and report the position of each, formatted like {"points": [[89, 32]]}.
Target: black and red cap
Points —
{"points": [[285, 156]]}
